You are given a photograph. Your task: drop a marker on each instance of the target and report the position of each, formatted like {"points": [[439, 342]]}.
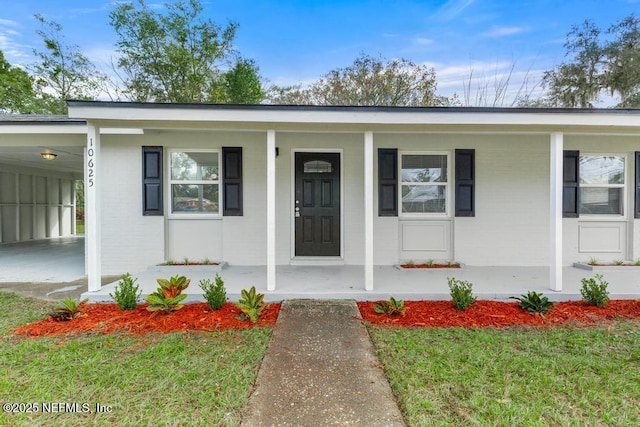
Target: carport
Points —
{"points": [[41, 157]]}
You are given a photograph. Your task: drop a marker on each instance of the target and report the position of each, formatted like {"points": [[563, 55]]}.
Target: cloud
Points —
{"points": [[504, 31], [452, 8], [423, 41]]}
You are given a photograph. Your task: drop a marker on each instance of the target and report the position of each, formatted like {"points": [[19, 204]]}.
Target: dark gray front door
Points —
{"points": [[317, 204]]}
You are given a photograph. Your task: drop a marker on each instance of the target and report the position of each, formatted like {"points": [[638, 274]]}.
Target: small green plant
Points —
{"points": [[449, 263], [637, 263], [429, 262], [126, 293], [168, 296], [391, 307], [67, 309], [214, 294], [206, 261], [593, 261], [186, 261], [594, 291], [251, 303], [461, 293], [535, 303], [411, 262], [618, 262], [169, 262]]}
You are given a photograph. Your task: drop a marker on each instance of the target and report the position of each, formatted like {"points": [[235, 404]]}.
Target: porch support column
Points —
{"points": [[271, 210], [368, 210], [555, 213], [92, 208]]}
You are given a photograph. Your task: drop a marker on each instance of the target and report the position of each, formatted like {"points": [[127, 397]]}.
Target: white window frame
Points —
{"points": [[623, 186], [447, 185], [171, 182]]}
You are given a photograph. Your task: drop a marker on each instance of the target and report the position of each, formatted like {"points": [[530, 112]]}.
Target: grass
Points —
{"points": [[514, 376], [159, 379]]}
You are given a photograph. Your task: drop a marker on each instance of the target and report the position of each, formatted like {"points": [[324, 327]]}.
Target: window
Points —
{"points": [[425, 185], [195, 182], [602, 181]]}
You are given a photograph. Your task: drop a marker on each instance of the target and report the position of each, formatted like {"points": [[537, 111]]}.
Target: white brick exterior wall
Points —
{"points": [[511, 225]]}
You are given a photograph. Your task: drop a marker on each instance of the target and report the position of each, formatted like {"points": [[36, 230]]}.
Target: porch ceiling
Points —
{"points": [[69, 158]]}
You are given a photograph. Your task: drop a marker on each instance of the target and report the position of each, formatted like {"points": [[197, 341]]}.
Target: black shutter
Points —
{"points": [[152, 181], [637, 208], [232, 180], [465, 182], [387, 182], [570, 184]]}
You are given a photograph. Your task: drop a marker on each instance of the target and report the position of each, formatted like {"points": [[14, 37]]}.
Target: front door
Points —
{"points": [[317, 204]]}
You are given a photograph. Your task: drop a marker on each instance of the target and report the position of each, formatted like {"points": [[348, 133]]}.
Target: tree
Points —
{"points": [[601, 63], [17, 93], [176, 56], [241, 84], [368, 81], [63, 72]]}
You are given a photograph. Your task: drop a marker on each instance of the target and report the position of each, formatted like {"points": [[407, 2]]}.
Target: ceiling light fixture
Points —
{"points": [[49, 156]]}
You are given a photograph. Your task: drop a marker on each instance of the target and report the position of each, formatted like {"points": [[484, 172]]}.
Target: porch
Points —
{"points": [[347, 282]]}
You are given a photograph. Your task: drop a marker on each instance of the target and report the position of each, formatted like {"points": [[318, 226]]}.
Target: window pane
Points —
{"points": [[190, 166], [424, 198], [317, 166], [601, 170], [194, 198], [601, 201], [424, 168]]}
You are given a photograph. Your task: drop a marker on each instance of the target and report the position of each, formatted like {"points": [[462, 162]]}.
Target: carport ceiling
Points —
{"points": [[69, 159]]}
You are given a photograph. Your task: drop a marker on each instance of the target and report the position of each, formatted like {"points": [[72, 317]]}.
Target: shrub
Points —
{"points": [[595, 293], [168, 296], [126, 293], [68, 309], [461, 293], [593, 261], [391, 307], [214, 294], [535, 303], [251, 303]]}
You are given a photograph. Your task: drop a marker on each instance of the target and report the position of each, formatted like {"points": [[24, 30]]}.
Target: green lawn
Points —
{"points": [[515, 376], [173, 379]]}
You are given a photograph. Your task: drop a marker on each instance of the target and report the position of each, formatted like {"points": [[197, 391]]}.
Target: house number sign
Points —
{"points": [[91, 163]]}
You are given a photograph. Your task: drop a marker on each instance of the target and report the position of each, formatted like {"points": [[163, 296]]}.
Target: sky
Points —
{"points": [[297, 41]]}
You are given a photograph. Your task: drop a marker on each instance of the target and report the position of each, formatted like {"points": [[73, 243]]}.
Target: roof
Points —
{"points": [[346, 108], [12, 119]]}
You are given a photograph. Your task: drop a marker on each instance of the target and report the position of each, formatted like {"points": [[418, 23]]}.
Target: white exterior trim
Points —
{"points": [[307, 259], [130, 112], [271, 210], [93, 209], [555, 211], [368, 211]]}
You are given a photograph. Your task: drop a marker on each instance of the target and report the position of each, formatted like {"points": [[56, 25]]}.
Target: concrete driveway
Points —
{"points": [[51, 260], [47, 269]]}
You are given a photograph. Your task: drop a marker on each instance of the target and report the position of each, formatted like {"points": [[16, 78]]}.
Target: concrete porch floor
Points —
{"points": [[347, 282]]}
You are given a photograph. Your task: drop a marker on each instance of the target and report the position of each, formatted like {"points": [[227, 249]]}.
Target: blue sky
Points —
{"points": [[296, 41]]}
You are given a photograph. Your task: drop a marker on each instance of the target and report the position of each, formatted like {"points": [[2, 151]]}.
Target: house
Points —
{"points": [[276, 185]]}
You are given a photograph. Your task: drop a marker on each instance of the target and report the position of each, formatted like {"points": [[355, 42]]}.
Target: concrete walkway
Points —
{"points": [[321, 370]]}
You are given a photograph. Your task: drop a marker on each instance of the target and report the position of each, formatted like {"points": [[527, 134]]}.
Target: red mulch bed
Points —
{"points": [[500, 314], [108, 318]]}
